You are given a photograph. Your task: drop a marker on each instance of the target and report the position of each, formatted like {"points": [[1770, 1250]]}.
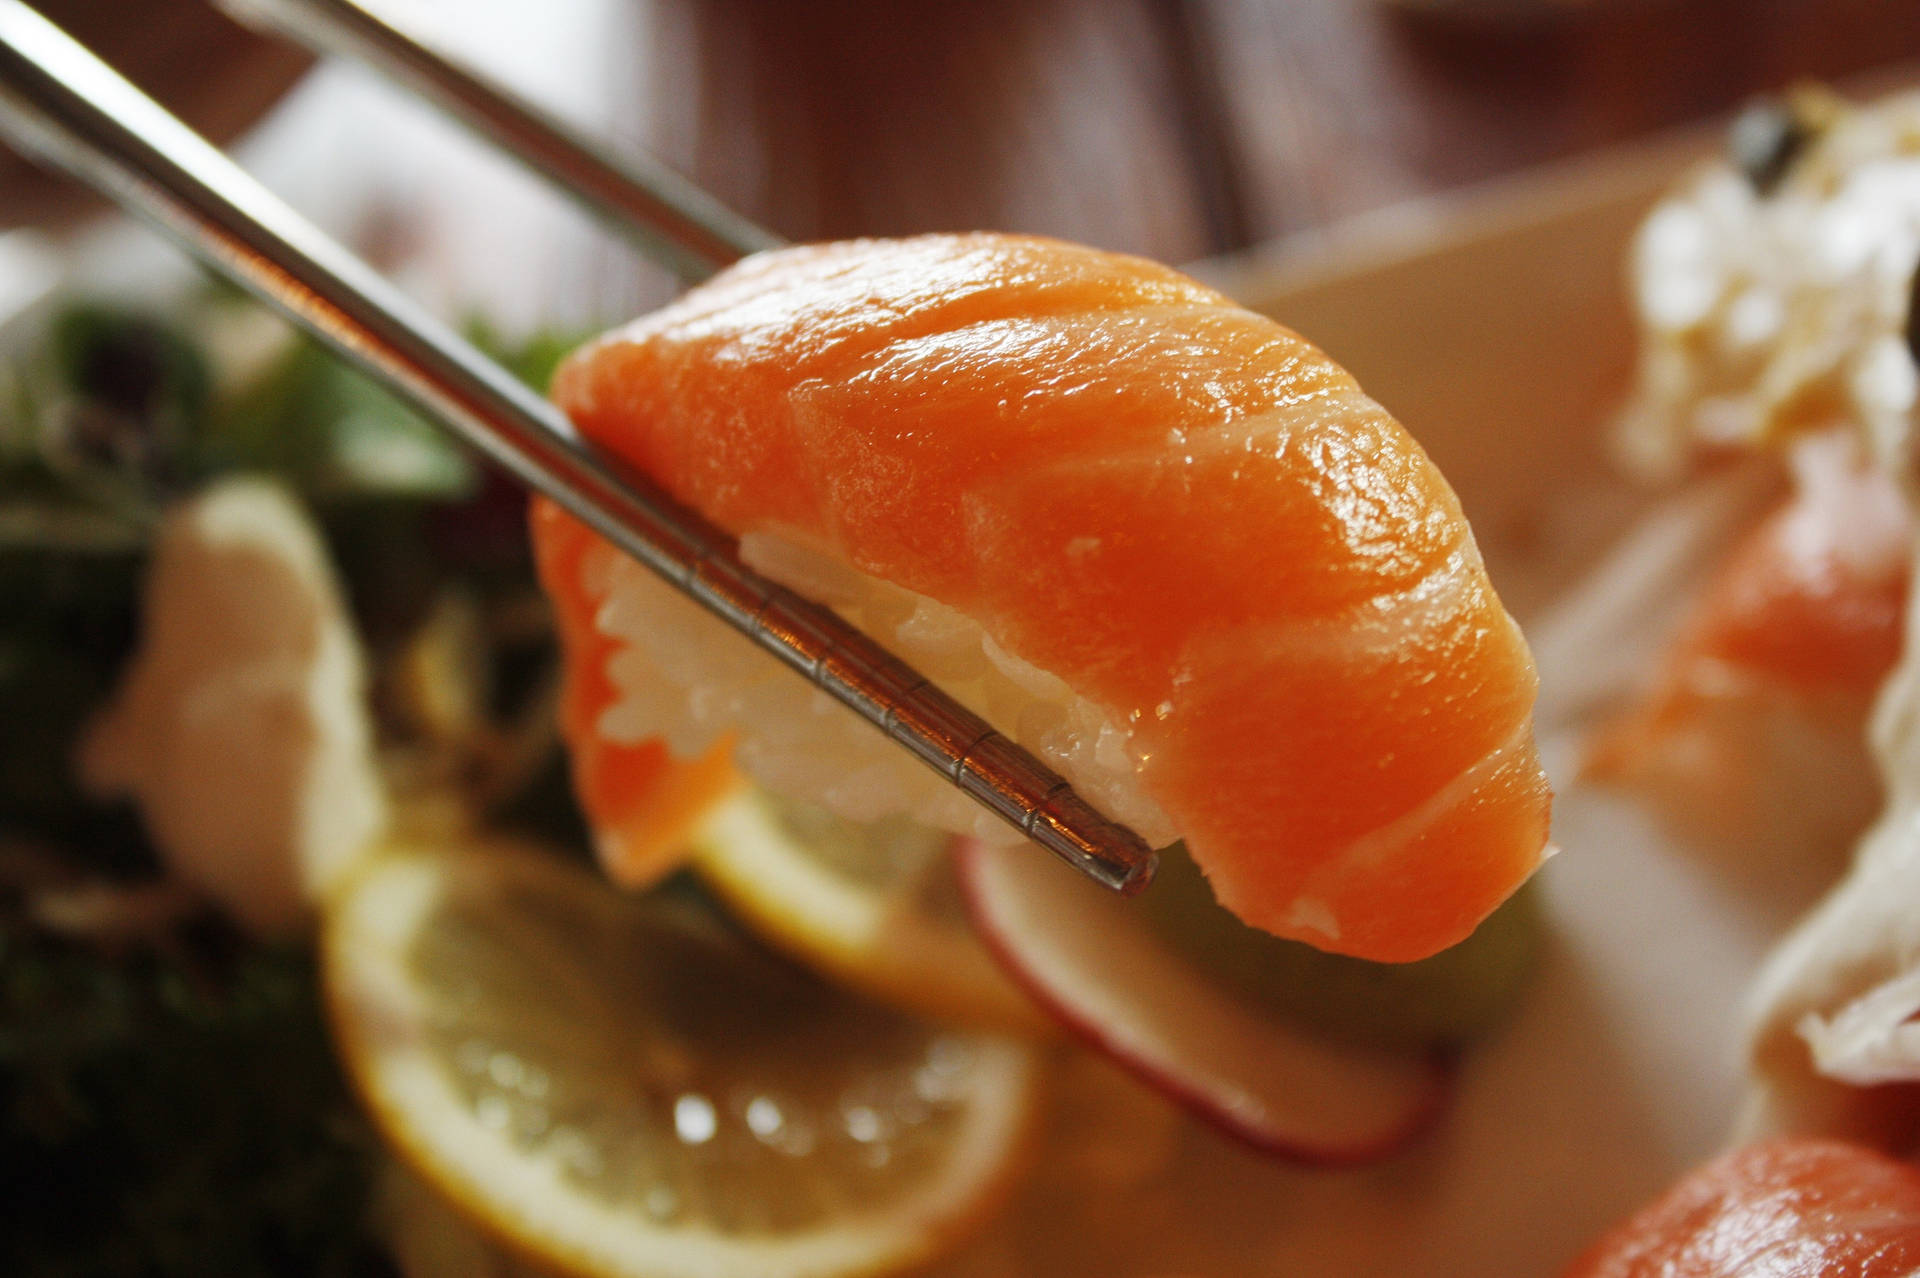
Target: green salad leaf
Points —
{"points": [[171, 1116], [172, 1107]]}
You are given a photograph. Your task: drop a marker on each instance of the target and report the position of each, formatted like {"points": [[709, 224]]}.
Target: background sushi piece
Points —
{"points": [[1792, 1208]]}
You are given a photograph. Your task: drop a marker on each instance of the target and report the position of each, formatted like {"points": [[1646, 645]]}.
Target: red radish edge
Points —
{"points": [[1088, 934]]}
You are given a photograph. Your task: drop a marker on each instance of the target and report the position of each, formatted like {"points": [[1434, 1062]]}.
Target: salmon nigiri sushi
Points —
{"points": [[1161, 541], [1753, 734]]}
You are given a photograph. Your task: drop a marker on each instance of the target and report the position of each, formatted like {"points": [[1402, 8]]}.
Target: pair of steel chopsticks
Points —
{"points": [[61, 105]]}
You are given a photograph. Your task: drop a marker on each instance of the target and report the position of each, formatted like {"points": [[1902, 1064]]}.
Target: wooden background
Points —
{"points": [[1180, 129], [1184, 128]]}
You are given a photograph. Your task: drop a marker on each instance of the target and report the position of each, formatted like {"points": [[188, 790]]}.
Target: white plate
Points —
{"points": [[1495, 326]]}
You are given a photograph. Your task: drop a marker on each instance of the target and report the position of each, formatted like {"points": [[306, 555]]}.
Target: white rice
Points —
{"points": [[688, 678]]}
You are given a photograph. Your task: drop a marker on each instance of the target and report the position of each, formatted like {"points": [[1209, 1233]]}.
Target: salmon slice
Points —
{"points": [[1757, 718], [1783, 1209], [1252, 579], [640, 801], [1814, 598]]}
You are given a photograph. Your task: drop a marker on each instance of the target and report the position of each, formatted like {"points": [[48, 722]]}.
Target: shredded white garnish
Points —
{"points": [[1770, 313]]}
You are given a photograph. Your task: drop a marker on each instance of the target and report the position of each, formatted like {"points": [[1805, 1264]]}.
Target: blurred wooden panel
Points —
{"points": [[1180, 128], [204, 67], [841, 117], [1334, 106]]}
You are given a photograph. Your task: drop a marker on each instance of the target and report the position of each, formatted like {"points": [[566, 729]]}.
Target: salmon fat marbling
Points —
{"points": [[1160, 540]]}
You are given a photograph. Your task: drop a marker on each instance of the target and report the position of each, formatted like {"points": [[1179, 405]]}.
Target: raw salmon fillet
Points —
{"points": [[1181, 508], [1753, 734], [1784, 1209], [640, 801]]}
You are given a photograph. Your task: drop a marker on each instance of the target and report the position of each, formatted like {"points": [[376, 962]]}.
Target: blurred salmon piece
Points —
{"points": [[1756, 722], [1783, 1209]]}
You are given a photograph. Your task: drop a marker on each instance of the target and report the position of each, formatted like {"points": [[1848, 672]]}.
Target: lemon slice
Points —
{"points": [[428, 1238], [874, 906], [617, 1086]]}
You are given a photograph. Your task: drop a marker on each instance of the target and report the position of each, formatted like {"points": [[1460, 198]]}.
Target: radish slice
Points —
{"points": [[1094, 963]]}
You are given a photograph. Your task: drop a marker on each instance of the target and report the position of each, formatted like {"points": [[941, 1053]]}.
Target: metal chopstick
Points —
{"points": [[62, 105], [669, 218]]}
